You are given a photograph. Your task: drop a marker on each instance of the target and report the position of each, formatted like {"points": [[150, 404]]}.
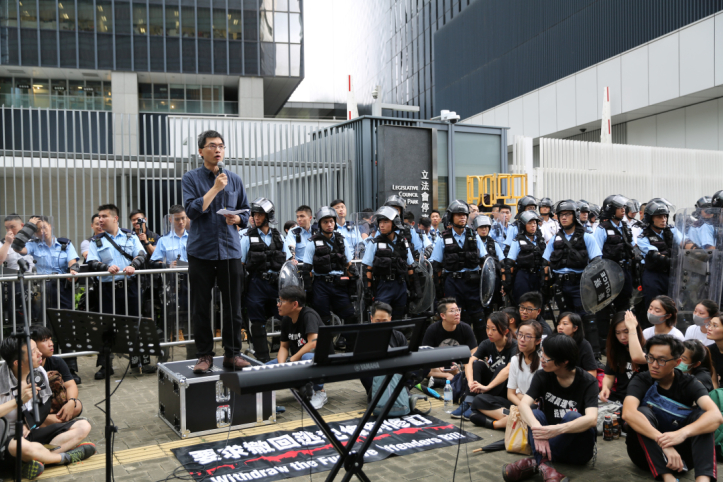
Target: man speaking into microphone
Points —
{"points": [[214, 250]]}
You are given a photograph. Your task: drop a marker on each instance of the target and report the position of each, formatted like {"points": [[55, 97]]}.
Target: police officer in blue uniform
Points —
{"points": [[388, 261], [456, 258], [482, 225], [525, 268], [702, 232], [501, 226], [263, 255], [616, 241], [115, 250], [299, 237], [346, 228], [412, 237], [329, 257], [569, 253], [656, 245], [526, 203]]}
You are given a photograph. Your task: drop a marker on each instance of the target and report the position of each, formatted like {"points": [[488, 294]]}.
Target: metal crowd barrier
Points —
{"points": [[176, 319]]}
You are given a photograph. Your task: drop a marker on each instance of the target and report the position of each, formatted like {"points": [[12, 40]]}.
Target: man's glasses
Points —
{"points": [[526, 337], [454, 311], [216, 146], [660, 361], [526, 309], [544, 360]]}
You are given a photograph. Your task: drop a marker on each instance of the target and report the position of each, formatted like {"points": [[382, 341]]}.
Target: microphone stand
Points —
{"points": [[23, 335]]}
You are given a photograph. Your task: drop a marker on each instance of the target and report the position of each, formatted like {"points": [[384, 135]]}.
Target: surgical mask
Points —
{"points": [[655, 319], [699, 320], [683, 367]]}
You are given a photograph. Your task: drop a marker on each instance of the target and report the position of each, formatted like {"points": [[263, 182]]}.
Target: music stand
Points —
{"points": [[106, 334]]}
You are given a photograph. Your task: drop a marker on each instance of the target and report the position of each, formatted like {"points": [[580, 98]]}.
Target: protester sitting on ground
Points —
{"points": [[704, 311], [658, 441], [488, 370], [299, 330], [530, 306], [564, 429], [68, 393], [449, 331], [570, 324], [663, 315], [491, 411], [625, 356], [513, 319], [697, 362], [381, 313], [65, 436], [715, 334]]}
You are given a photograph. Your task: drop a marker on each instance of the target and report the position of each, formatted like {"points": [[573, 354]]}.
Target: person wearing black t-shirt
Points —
{"points": [[625, 356], [73, 407], [652, 442], [696, 362], [565, 429], [449, 331], [381, 313], [299, 330], [530, 308], [570, 324]]}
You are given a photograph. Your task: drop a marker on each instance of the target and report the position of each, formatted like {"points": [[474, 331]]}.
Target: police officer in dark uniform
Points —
{"points": [[483, 225], [388, 261], [412, 236], [329, 257], [614, 237], [569, 252], [656, 245], [525, 268], [526, 203], [262, 253], [456, 258]]}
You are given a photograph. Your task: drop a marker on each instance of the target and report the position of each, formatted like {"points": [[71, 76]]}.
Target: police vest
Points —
{"points": [[390, 258], [328, 259], [618, 246], [490, 246], [297, 233], [262, 258], [530, 255], [455, 258], [563, 256], [664, 247]]}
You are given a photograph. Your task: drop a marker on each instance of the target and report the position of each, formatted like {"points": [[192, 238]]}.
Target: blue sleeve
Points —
{"points": [[481, 247], [309, 253], [500, 253], [192, 201], [286, 245], [349, 252], [92, 252], [514, 250], [601, 235], [549, 249], [511, 234], [242, 202], [706, 236], [30, 247], [245, 244], [644, 245], [425, 241], [410, 258], [369, 253], [416, 241], [71, 252], [438, 250], [593, 250], [160, 252]]}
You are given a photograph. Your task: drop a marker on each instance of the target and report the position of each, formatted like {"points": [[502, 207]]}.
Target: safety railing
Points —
{"points": [[508, 188], [163, 295]]}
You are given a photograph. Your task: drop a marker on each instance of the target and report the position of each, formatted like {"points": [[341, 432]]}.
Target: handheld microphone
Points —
{"points": [[220, 165]]}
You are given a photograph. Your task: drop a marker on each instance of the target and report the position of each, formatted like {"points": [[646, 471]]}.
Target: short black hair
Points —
{"points": [[676, 346], [560, 348], [109, 207], [306, 209], [209, 134], [337, 201], [433, 211], [289, 224], [425, 221], [9, 350], [533, 297], [409, 216], [137, 211], [379, 305], [504, 206], [367, 210], [13, 217], [176, 209], [442, 305], [40, 333], [576, 320], [92, 218], [293, 293]]}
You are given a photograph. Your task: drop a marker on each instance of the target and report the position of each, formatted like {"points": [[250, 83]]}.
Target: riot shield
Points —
{"points": [[360, 307], [424, 273], [289, 276], [601, 282], [488, 281], [696, 268], [364, 231]]}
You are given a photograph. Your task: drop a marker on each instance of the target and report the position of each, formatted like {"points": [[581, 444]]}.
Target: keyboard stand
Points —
{"points": [[353, 461]]}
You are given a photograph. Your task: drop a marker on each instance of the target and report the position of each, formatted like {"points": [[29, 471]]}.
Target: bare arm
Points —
{"points": [[310, 345], [637, 420], [283, 353], [636, 351], [512, 396]]}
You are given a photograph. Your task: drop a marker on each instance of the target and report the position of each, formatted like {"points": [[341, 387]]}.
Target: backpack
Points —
{"points": [[403, 405]]}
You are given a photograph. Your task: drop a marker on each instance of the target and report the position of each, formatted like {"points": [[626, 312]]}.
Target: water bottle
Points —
{"points": [[448, 397]]}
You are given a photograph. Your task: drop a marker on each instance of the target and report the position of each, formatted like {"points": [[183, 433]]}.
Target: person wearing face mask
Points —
{"points": [[715, 333], [663, 315], [625, 356], [704, 311], [696, 361]]}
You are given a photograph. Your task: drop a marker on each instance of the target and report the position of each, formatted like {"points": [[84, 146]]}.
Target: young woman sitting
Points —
{"points": [[704, 311], [696, 361], [663, 315], [625, 356], [570, 324]]}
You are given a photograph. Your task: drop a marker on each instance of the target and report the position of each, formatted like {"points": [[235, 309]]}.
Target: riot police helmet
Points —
{"points": [[568, 205], [611, 204], [594, 210], [482, 221], [545, 202], [456, 207], [526, 202], [387, 212], [632, 206], [326, 212], [528, 216], [395, 200], [704, 202], [264, 206], [655, 208], [671, 206], [583, 206], [717, 199]]}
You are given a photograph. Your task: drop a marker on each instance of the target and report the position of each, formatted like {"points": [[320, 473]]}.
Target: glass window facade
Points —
{"points": [[184, 99], [225, 37], [55, 93]]}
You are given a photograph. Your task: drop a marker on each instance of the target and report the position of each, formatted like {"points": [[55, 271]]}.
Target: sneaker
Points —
{"points": [[81, 452], [467, 414], [318, 400], [32, 470], [460, 411], [100, 374], [204, 364]]}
